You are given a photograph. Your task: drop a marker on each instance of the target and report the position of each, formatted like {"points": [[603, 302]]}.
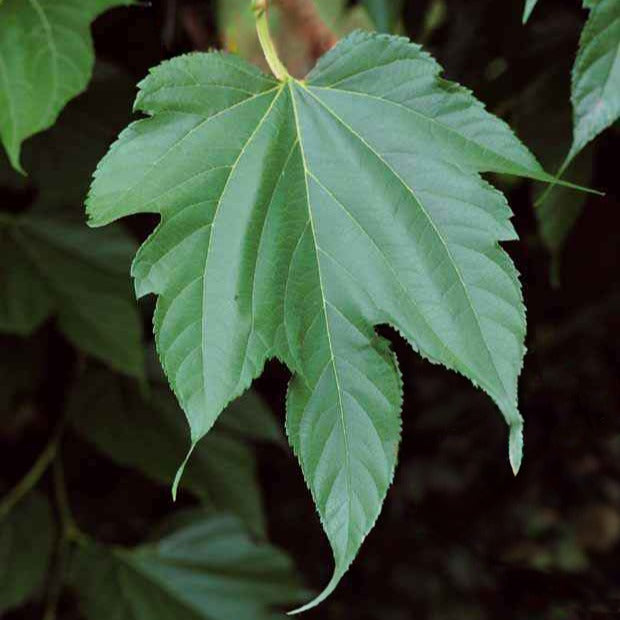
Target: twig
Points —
{"points": [[69, 533], [33, 475]]}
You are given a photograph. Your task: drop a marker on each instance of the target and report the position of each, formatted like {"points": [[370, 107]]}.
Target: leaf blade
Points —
{"points": [[529, 7], [26, 542], [207, 569], [349, 200], [596, 75], [34, 87]]}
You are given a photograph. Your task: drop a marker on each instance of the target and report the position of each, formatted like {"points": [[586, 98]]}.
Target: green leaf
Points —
{"points": [[529, 7], [56, 266], [384, 13], [249, 416], [297, 216], [208, 570], [596, 74], [26, 541], [60, 161], [559, 210], [46, 59], [150, 434]]}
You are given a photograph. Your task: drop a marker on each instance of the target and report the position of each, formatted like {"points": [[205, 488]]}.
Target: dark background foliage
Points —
{"points": [[459, 537]]}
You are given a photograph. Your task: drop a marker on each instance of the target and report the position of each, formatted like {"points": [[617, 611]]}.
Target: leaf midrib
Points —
{"points": [[327, 326], [47, 27], [10, 105]]}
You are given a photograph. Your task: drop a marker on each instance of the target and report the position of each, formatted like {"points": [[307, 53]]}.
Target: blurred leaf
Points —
{"points": [[561, 209], [22, 366], [434, 18], [151, 435], [46, 59], [529, 7], [210, 569], [384, 13], [249, 416], [57, 266], [558, 212], [596, 74], [60, 162], [26, 541]]}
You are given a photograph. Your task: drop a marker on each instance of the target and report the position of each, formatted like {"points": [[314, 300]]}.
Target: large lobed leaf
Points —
{"points": [[297, 216], [208, 569], [46, 59]]}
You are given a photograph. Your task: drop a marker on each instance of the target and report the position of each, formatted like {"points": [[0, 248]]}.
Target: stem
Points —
{"points": [[264, 35], [67, 522], [69, 533], [33, 476]]}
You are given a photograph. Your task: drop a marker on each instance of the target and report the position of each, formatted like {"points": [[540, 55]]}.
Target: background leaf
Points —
{"points": [[57, 266], [209, 569], [26, 541], [561, 208], [149, 434], [46, 59], [530, 5], [596, 74], [384, 13]]}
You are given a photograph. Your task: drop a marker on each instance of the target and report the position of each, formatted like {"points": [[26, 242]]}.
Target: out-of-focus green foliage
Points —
{"points": [[26, 541], [208, 569], [222, 473], [561, 208], [384, 13], [46, 59], [54, 266]]}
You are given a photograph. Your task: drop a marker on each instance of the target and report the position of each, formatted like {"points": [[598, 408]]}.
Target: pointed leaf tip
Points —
{"points": [[515, 447], [527, 11], [181, 470], [317, 600]]}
